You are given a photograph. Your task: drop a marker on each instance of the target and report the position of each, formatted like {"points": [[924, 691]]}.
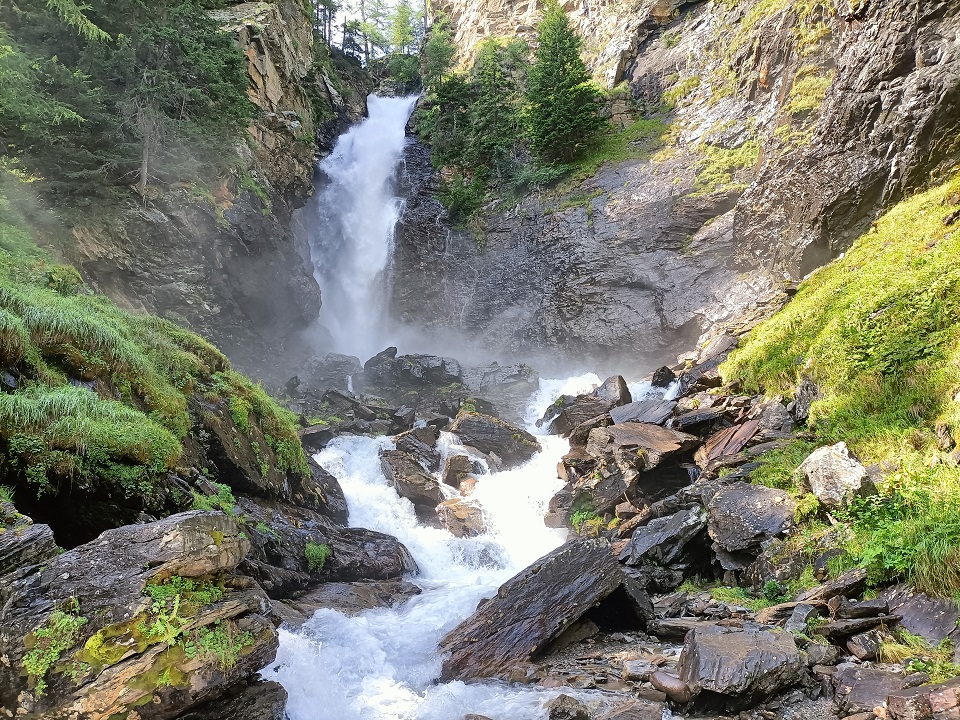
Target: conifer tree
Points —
{"points": [[563, 114]]}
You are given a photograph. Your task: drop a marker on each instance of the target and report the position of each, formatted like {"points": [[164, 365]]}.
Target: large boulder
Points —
{"points": [[834, 475], [492, 435], [279, 535], [638, 446], [321, 373], [748, 664], [421, 443], [741, 516], [655, 411], [127, 622], [411, 481], [860, 689], [534, 607]]}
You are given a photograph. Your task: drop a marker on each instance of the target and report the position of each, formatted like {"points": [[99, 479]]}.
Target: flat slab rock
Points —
{"points": [[747, 664], [534, 607], [861, 689]]}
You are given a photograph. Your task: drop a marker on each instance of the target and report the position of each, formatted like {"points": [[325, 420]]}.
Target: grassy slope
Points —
{"points": [[879, 332], [128, 433]]}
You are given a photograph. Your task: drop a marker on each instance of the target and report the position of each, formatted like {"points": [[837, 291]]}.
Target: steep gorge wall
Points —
{"points": [[787, 128], [224, 260]]}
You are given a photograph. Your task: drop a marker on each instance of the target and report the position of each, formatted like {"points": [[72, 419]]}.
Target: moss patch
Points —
{"points": [[878, 332]]}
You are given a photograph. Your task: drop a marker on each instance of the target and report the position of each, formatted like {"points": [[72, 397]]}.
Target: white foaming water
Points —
{"points": [[351, 224], [381, 664]]}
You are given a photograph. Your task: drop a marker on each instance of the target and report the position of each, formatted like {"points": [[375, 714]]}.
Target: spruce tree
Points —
{"points": [[563, 114]]}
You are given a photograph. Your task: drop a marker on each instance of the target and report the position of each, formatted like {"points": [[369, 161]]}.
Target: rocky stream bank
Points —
{"points": [[683, 586]]}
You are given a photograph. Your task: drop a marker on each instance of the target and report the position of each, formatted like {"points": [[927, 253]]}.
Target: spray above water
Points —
{"points": [[350, 225]]}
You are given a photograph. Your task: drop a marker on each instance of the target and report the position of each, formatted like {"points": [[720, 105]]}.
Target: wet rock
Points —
{"points": [[457, 468], [534, 607], [934, 619], [747, 664], [639, 446], [662, 377], [612, 393], [332, 371], [564, 707], [644, 411], [351, 598], [461, 518], [258, 700], [491, 435], [742, 516], [316, 437], [636, 710], [411, 481], [663, 540], [279, 533], [929, 702], [580, 434], [321, 492], [672, 686], [834, 476], [851, 609], [638, 670], [421, 443], [101, 584]]}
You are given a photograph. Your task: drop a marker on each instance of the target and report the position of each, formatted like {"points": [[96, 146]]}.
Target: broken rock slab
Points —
{"points": [[534, 607], [492, 435]]}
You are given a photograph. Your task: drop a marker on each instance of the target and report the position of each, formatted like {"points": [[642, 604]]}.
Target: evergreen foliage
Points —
{"points": [[126, 92], [563, 113]]}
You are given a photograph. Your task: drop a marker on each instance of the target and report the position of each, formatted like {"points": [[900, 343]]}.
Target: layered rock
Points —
{"points": [[130, 621], [788, 135], [536, 606]]}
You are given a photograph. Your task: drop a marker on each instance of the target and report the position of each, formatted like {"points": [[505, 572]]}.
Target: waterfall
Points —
{"points": [[350, 224]]}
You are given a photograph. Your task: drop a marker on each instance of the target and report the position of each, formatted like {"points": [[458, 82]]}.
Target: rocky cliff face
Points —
{"points": [[223, 260], [784, 129]]}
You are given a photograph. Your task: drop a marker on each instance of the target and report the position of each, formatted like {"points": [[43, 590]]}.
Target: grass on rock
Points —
{"points": [[877, 330]]}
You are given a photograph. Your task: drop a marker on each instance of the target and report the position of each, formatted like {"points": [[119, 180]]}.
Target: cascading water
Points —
{"points": [[381, 664], [350, 225]]}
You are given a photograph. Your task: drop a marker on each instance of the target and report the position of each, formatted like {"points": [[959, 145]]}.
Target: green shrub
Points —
{"points": [[59, 632], [316, 554]]}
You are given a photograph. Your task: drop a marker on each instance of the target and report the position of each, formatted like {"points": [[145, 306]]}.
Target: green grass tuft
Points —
{"points": [[317, 555]]}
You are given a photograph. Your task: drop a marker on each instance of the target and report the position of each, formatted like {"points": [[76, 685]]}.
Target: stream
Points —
{"points": [[382, 664]]}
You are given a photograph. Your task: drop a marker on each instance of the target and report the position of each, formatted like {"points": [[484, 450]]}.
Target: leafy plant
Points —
{"points": [[316, 554], [59, 632]]}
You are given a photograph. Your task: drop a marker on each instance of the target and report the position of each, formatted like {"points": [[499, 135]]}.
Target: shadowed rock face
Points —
{"points": [[640, 259]]}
